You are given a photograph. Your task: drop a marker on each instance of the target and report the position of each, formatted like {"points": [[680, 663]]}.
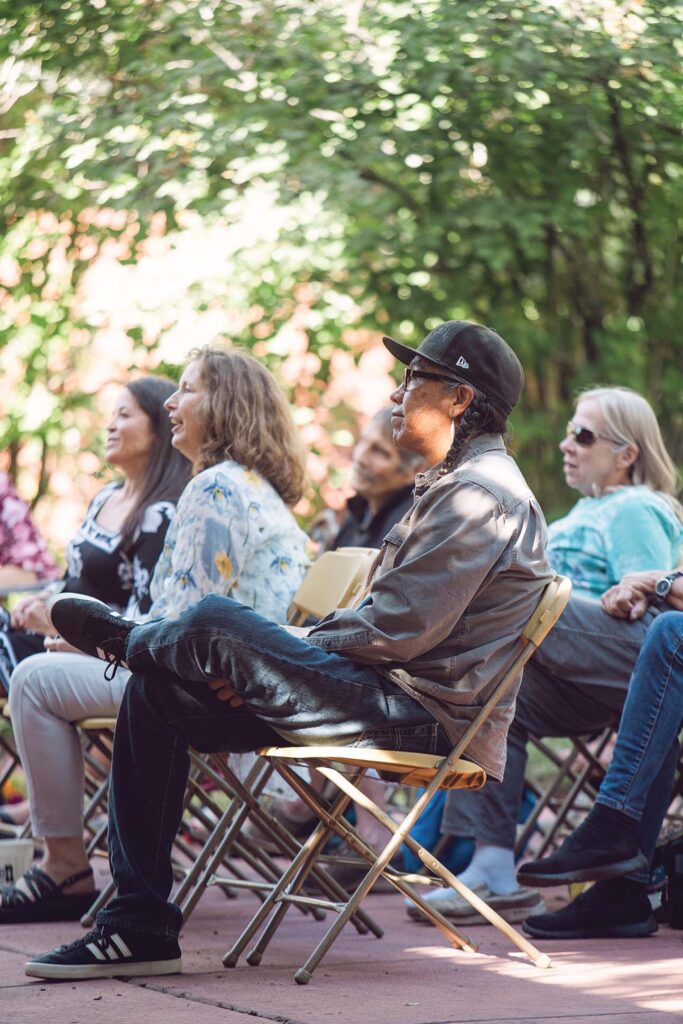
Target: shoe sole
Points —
{"points": [[82, 972], [622, 931], [597, 874], [513, 915]]}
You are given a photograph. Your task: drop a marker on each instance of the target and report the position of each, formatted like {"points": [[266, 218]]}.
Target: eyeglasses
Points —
{"points": [[586, 438], [410, 375]]}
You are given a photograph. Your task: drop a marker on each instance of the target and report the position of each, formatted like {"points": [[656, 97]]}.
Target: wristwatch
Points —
{"points": [[664, 585]]}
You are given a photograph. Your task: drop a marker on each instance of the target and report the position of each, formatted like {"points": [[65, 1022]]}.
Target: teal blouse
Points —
{"points": [[630, 529]]}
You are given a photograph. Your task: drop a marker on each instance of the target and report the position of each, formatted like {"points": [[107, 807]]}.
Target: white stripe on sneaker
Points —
{"points": [[112, 948], [119, 945]]}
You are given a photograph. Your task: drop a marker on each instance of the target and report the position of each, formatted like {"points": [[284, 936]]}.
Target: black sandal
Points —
{"points": [[45, 900]]}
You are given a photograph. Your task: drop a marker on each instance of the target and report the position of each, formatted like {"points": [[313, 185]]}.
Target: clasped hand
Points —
{"points": [[224, 691], [629, 599]]}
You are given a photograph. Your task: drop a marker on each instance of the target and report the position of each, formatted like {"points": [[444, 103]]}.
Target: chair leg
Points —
{"points": [[284, 893], [286, 883], [88, 918], [400, 834]]}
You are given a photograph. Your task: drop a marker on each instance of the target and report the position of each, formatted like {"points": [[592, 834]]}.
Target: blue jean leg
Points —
{"points": [[651, 719], [290, 689], [307, 695]]}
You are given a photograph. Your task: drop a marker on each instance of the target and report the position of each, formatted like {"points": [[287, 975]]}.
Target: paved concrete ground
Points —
{"points": [[408, 977]]}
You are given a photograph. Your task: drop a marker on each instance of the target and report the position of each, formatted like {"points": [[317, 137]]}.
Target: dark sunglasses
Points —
{"points": [[586, 438], [410, 375]]}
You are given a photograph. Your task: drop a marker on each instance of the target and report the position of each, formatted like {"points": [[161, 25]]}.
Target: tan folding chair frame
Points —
{"points": [[443, 772]]}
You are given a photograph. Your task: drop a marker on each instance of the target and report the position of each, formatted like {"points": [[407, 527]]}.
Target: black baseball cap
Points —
{"points": [[475, 355]]}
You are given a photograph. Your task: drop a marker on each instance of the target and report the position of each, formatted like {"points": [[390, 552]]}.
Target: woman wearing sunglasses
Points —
{"points": [[628, 520]]}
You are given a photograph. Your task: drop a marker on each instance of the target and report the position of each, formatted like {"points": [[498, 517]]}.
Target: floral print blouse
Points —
{"points": [[232, 535], [20, 542]]}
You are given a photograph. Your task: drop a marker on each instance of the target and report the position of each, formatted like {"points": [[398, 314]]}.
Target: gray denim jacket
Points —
{"points": [[458, 579]]}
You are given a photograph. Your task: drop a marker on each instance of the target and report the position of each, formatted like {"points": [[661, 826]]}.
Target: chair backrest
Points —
{"points": [[548, 610], [334, 580]]}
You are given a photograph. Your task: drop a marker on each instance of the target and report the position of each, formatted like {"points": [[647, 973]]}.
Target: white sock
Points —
{"points": [[492, 866]]}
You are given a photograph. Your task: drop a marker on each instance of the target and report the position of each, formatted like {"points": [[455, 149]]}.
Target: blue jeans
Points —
{"points": [[292, 691], [651, 719]]}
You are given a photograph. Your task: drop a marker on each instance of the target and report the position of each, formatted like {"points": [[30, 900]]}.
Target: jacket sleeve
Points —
{"points": [[456, 536]]}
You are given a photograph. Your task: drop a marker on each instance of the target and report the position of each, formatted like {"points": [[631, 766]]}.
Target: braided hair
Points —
{"points": [[480, 417]]}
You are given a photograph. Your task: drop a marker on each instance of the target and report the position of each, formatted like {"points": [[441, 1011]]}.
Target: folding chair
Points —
{"points": [[9, 762], [431, 772]]}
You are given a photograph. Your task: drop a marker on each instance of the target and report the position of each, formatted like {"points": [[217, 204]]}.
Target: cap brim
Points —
{"points": [[401, 352]]}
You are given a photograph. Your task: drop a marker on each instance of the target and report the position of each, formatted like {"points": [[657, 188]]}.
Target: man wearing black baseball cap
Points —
{"points": [[455, 583], [473, 354]]}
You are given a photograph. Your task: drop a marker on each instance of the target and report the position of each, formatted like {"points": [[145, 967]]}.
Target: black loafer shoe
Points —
{"points": [[91, 626], [604, 846], [602, 912]]}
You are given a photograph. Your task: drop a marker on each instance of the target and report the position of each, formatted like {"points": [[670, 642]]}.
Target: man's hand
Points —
{"points": [[629, 599], [224, 691]]}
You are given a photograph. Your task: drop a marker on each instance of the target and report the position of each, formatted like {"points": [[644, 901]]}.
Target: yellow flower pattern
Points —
{"points": [[223, 563]]}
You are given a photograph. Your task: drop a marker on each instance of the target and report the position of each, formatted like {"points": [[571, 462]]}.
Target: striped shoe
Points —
{"points": [[107, 953]]}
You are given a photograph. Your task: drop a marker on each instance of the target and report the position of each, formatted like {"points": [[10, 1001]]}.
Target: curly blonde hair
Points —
{"points": [[247, 419]]}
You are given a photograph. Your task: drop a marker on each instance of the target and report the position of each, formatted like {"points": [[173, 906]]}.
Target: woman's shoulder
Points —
{"points": [[640, 496], [217, 484], [227, 479]]}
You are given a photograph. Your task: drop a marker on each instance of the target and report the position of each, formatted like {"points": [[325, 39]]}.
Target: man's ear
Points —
{"points": [[461, 398]]}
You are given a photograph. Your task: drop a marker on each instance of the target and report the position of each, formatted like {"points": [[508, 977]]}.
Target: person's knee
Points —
{"points": [[27, 684], [211, 612], [666, 630]]}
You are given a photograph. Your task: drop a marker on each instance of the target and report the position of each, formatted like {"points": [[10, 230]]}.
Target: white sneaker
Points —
{"points": [[513, 907]]}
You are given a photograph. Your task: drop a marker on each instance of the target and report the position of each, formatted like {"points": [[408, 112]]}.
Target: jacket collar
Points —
{"points": [[479, 445]]}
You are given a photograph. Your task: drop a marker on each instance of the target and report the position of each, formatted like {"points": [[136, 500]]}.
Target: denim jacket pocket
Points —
{"points": [[393, 541]]}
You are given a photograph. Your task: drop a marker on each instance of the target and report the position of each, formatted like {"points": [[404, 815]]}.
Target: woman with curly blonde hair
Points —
{"points": [[233, 533]]}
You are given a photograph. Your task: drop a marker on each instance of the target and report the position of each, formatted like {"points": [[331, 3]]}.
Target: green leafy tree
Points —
{"points": [[517, 163]]}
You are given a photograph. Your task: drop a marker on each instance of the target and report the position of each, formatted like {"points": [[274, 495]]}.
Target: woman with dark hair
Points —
{"points": [[233, 532], [114, 551]]}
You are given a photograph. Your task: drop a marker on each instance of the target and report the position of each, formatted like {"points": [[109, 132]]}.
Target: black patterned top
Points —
{"points": [[97, 563]]}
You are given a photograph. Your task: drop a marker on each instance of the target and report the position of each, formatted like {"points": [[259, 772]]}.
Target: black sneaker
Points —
{"points": [[616, 909], [107, 953], [91, 626], [604, 846]]}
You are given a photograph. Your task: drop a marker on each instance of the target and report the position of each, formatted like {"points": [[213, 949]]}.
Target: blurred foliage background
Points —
{"points": [[300, 176]]}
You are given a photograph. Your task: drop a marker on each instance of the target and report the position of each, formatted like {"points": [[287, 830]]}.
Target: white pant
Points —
{"points": [[47, 693]]}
